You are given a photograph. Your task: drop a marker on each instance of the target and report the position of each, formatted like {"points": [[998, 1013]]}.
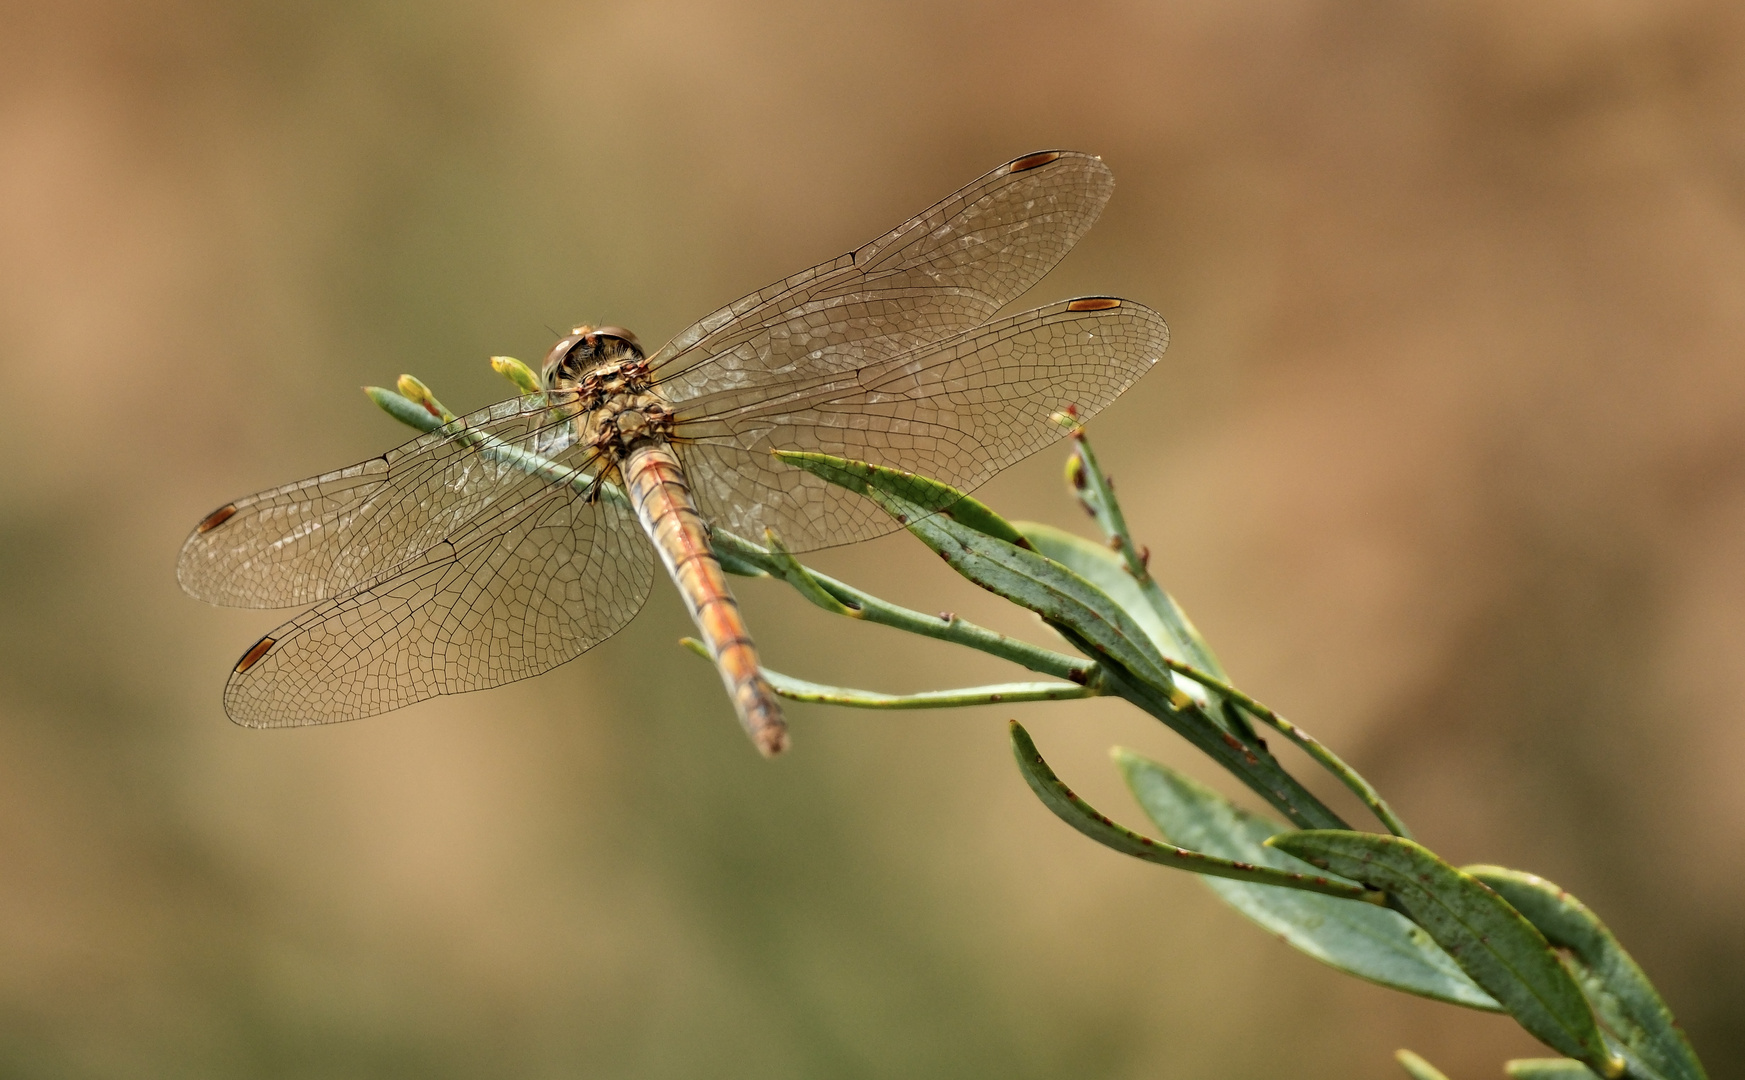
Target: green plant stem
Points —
{"points": [[998, 694], [1247, 759], [741, 556], [1311, 745], [801, 578], [1099, 827], [944, 627], [1093, 488], [1097, 493], [436, 417], [1250, 763]]}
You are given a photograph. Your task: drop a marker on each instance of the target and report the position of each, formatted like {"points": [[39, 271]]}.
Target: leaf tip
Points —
{"points": [[1417, 1067]]}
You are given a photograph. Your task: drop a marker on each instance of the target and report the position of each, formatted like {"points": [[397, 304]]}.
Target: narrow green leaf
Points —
{"points": [[801, 578], [403, 409], [1096, 491], [1416, 1067], [1323, 755], [728, 554], [1370, 942], [1153, 609], [983, 547], [1084, 614], [943, 626], [1547, 1069], [1086, 819], [1629, 1008], [1057, 594], [1104, 569], [929, 496], [1220, 702], [1490, 940]]}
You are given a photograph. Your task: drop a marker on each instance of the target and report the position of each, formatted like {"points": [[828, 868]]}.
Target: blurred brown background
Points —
{"points": [[1448, 460]]}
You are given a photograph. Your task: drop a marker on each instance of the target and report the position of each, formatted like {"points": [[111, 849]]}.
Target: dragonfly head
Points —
{"points": [[587, 349]]}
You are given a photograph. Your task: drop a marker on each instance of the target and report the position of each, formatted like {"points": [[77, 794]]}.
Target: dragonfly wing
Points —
{"points": [[958, 411], [944, 271], [489, 606], [320, 538]]}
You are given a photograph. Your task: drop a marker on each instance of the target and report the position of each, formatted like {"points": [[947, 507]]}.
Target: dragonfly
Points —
{"points": [[514, 539]]}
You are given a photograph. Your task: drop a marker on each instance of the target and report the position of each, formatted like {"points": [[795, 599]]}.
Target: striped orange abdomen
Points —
{"points": [[662, 498]]}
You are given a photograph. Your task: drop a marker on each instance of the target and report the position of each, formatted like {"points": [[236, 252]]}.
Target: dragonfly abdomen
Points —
{"points": [[662, 497]]}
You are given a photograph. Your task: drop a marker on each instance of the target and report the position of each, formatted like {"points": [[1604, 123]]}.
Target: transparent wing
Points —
{"points": [[500, 601], [323, 537], [958, 411], [942, 272]]}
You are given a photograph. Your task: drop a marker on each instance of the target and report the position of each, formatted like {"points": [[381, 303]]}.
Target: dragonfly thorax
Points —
{"points": [[624, 418]]}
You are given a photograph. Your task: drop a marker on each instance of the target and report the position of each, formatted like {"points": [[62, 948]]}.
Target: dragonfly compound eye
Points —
{"points": [[614, 344], [620, 333], [558, 362], [586, 349]]}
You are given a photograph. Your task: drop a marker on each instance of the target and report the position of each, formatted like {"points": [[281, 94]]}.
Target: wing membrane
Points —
{"points": [[323, 537], [456, 562], [497, 603], [944, 271], [958, 410]]}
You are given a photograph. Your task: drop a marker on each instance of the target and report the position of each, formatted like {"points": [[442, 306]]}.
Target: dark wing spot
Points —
{"points": [[217, 518], [249, 658], [1032, 161]]}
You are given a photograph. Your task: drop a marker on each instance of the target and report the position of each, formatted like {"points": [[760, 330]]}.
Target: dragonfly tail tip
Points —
{"points": [[771, 740]]}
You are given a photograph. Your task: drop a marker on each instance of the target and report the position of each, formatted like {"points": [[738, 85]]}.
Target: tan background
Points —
{"points": [[1448, 459]]}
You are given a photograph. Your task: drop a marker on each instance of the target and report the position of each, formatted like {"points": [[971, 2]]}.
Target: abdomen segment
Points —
{"points": [[662, 498]]}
